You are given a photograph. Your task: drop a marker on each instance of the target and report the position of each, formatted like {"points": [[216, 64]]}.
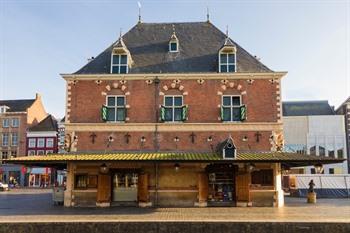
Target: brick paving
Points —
{"points": [[36, 206]]}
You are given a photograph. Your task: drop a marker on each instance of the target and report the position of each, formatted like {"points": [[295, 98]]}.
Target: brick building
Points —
{"points": [[344, 109], [174, 114], [16, 117]]}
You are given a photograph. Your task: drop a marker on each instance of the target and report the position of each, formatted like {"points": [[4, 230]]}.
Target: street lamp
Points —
{"points": [[318, 168], [104, 168], [177, 167]]}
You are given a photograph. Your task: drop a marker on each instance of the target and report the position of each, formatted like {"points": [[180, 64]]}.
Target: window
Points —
{"points": [[81, 181], [231, 108], [41, 142], [49, 152], [119, 64], [31, 142], [49, 142], [116, 110], [313, 150], [227, 62], [5, 139], [263, 177], [41, 152], [13, 154], [173, 108], [173, 46], [5, 122], [313, 171], [4, 154], [3, 109], [92, 181], [14, 139], [31, 152], [15, 122], [331, 170], [340, 153]]}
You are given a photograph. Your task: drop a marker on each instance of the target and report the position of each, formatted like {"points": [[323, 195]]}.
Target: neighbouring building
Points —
{"points": [[61, 135], [42, 139], [174, 114], [344, 109], [312, 127], [16, 116]]}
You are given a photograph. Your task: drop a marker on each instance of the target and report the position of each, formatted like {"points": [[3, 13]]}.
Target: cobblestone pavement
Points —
{"points": [[36, 206]]}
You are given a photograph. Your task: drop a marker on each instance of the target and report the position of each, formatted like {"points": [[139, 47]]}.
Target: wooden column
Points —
{"points": [[104, 190], [142, 191], [202, 189]]}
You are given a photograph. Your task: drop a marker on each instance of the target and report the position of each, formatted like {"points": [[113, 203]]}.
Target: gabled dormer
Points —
{"points": [[227, 149], [173, 42], [120, 58], [3, 108], [227, 57]]}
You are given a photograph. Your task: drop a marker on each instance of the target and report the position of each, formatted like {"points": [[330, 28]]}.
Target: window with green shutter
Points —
{"points": [[173, 109], [114, 110], [232, 109]]}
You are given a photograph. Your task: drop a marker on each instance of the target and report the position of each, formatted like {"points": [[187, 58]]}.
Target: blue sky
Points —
{"points": [[41, 39]]}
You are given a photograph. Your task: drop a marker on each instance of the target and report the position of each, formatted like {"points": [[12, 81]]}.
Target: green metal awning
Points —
{"points": [[291, 159]]}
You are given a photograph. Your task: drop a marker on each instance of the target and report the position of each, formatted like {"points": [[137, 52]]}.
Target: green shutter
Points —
{"points": [[162, 113], [104, 113], [222, 113], [125, 113], [184, 112], [243, 110]]}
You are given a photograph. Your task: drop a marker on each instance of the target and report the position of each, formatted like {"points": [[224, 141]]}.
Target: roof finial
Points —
{"points": [[139, 4], [226, 31], [208, 15], [174, 29], [120, 33]]}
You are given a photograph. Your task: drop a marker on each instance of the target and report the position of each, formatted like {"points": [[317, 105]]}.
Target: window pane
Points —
{"points": [[115, 69], [123, 59], [227, 114], [231, 58], [236, 101], [120, 114], [178, 114], [123, 69], [231, 68], [111, 101], [226, 101], [168, 114], [111, 114], [120, 101], [178, 101], [223, 68], [236, 114], [173, 46], [223, 58], [115, 59], [168, 101]]}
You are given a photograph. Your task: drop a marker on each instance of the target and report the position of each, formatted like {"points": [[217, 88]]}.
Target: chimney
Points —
{"points": [[37, 96]]}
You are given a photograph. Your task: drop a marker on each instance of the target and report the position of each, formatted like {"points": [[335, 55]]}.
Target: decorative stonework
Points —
{"points": [[115, 85], [98, 82], [200, 81], [250, 81], [231, 85], [149, 81], [174, 85]]}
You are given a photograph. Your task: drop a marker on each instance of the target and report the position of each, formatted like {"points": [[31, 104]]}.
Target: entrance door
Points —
{"points": [[221, 184], [125, 186]]}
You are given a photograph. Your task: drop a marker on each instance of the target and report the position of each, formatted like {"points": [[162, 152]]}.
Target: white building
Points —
{"points": [[312, 127]]}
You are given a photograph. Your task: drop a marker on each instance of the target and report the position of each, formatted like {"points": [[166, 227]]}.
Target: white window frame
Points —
{"points": [[173, 106], [50, 140], [3, 139], [31, 142], [231, 106], [49, 152], [38, 142], [31, 152], [14, 142], [228, 63], [40, 152], [177, 46], [2, 154], [12, 153], [7, 120], [3, 109], [118, 64], [116, 107], [15, 120]]}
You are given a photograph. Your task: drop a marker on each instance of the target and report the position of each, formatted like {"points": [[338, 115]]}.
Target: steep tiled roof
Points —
{"points": [[48, 124], [307, 108], [17, 105], [199, 44]]}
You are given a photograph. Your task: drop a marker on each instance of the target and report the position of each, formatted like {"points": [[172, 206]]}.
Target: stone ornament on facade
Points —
{"points": [[231, 85], [175, 85]]}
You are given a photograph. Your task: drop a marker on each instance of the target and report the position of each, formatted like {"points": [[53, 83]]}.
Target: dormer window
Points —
{"points": [[227, 62], [119, 64], [3, 109], [173, 46]]}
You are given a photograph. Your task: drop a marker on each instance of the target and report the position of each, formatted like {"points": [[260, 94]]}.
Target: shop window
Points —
{"points": [[331, 170], [263, 177], [15, 122], [313, 171], [49, 142], [114, 110], [31, 142], [41, 142], [5, 123], [81, 181], [173, 109]]}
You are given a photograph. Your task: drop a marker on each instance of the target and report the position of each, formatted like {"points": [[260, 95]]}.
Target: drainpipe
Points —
{"points": [[156, 112], [156, 184]]}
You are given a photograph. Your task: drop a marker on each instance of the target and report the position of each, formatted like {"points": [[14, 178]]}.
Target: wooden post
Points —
{"points": [[104, 190], [202, 189], [142, 191], [242, 188]]}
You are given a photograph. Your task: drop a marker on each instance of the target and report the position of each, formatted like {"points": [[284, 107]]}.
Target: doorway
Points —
{"points": [[221, 185], [124, 189]]}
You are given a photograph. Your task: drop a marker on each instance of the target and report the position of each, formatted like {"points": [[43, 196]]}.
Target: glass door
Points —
{"points": [[125, 186]]}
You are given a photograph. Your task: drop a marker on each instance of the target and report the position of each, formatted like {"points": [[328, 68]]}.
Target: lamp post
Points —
{"points": [[319, 168], [104, 168]]}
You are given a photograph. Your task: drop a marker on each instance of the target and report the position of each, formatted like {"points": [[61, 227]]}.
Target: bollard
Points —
{"points": [[311, 198]]}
